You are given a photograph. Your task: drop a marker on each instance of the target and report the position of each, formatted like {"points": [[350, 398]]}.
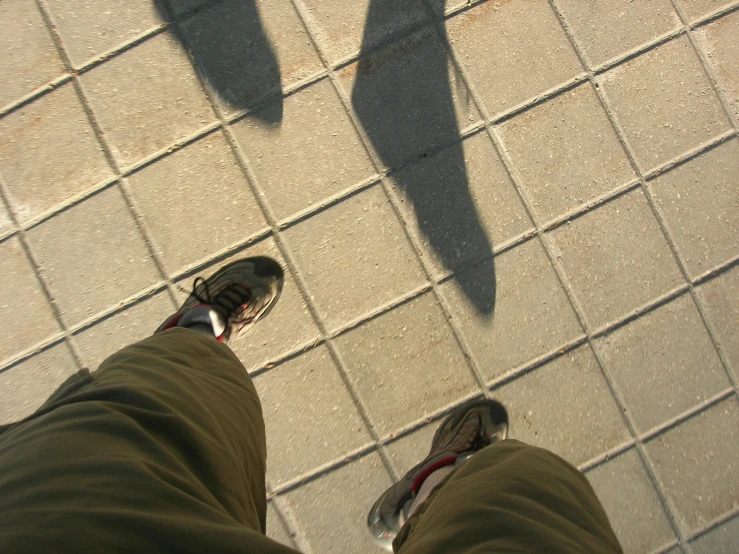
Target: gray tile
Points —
{"points": [[720, 43], [276, 529], [289, 324], [206, 176], [518, 64], [699, 202], [460, 203], [100, 261], [409, 98], [26, 386], [135, 323], [724, 538], [721, 304], [147, 98], [314, 135], [411, 340], [698, 466], [631, 503], [250, 50], [565, 406], [334, 519], [25, 315], [345, 28], [30, 59], [48, 152], [409, 450], [663, 118], [664, 363], [91, 28], [565, 152], [699, 8], [616, 258], [604, 29], [307, 429], [354, 257], [531, 315]]}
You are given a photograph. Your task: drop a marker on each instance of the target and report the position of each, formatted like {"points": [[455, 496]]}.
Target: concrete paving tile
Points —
{"points": [[724, 538], [698, 466], [720, 42], [518, 64], [309, 415], [565, 152], [695, 9], [699, 202], [147, 98], [130, 326], [250, 50], [663, 363], [48, 152], [616, 258], [316, 136], [666, 116], [354, 257], [30, 59], [25, 315], [621, 484], [460, 203], [409, 98], [101, 260], [406, 364], [26, 386], [332, 511], [268, 341], [196, 202], [345, 28], [276, 529], [604, 29], [722, 310], [565, 406], [406, 452], [531, 315], [91, 28]]}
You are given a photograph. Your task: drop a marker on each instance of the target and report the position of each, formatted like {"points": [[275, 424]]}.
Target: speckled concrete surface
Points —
{"points": [[531, 200]]}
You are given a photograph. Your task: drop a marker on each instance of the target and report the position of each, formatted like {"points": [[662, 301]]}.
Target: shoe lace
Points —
{"points": [[228, 300]]}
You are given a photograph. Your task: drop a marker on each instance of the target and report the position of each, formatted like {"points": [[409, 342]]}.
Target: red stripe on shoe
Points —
{"points": [[418, 481]]}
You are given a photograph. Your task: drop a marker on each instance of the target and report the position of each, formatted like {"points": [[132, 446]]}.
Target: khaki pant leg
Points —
{"points": [[510, 497], [161, 450]]}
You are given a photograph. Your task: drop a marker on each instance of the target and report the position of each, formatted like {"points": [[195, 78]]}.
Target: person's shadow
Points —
{"points": [[233, 53], [403, 98]]}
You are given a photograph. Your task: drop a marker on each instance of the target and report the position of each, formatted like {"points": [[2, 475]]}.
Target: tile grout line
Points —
{"points": [[708, 70], [666, 502], [64, 333], [706, 65], [107, 151]]}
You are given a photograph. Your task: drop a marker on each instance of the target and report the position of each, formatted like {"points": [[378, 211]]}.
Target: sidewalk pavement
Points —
{"points": [[536, 201]]}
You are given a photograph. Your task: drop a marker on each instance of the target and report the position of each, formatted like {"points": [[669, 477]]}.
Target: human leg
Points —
{"points": [[162, 449]]}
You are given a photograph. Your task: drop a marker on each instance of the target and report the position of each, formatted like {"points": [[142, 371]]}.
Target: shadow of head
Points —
{"points": [[232, 52]]}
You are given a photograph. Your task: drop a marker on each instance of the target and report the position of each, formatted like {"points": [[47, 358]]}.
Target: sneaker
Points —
{"points": [[468, 429], [231, 300]]}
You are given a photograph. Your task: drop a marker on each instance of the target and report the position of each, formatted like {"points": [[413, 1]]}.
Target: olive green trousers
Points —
{"points": [[163, 450]]}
